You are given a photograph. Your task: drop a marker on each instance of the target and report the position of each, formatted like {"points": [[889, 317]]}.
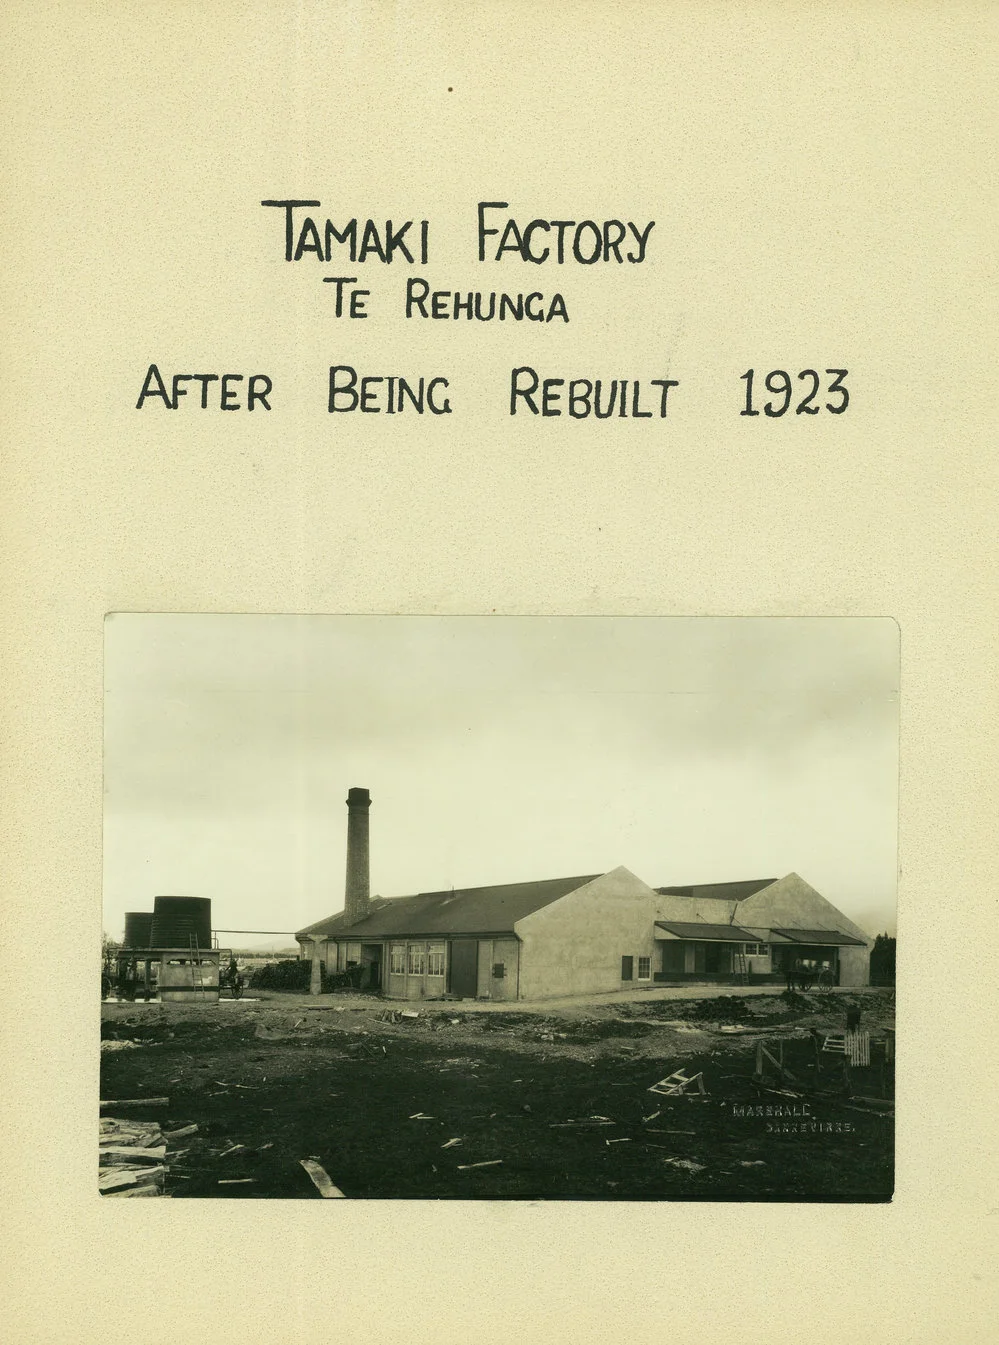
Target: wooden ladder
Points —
{"points": [[197, 978], [742, 967]]}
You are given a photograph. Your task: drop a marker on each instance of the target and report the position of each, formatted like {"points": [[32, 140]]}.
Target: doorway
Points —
{"points": [[371, 966], [464, 963]]}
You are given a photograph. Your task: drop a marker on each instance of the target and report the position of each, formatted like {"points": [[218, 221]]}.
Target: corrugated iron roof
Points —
{"points": [[698, 929], [473, 910], [832, 937], [737, 891]]}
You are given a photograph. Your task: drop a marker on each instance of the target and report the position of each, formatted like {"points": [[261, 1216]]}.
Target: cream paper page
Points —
{"points": [[821, 185]]}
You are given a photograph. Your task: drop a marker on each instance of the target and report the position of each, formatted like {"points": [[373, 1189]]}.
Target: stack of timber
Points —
{"points": [[132, 1155]]}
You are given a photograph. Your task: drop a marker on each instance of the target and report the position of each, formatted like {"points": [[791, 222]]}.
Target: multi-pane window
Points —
{"points": [[644, 968], [435, 960], [756, 949], [417, 959], [397, 959]]}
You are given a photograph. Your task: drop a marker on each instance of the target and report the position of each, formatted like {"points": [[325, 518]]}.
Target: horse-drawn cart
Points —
{"points": [[231, 979]]}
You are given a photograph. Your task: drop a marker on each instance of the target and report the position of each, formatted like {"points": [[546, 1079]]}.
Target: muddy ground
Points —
{"points": [[559, 1096]]}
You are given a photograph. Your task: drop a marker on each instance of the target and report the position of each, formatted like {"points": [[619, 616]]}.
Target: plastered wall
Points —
{"points": [[575, 945]]}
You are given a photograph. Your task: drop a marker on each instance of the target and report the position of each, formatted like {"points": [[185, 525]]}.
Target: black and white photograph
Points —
{"points": [[499, 616], [499, 908]]}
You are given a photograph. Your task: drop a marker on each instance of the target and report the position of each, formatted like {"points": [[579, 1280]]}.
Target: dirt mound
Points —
{"points": [[604, 1029], [177, 1032], [723, 1009]]}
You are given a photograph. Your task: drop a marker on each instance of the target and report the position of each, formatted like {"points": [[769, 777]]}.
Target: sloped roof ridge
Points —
{"points": [[487, 906], [692, 890], [498, 887]]}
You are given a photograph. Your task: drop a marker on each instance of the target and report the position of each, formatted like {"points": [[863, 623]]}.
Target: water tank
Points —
{"points": [[138, 929], [176, 919]]}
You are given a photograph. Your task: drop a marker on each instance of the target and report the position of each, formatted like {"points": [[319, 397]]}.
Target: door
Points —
{"points": [[464, 968], [673, 961], [371, 962], [716, 958]]}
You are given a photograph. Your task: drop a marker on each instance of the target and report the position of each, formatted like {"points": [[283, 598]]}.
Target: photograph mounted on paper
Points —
{"points": [[492, 907]]}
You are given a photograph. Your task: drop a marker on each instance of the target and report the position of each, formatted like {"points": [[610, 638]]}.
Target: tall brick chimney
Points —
{"points": [[355, 906]]}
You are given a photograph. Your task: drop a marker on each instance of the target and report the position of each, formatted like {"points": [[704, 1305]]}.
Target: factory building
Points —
{"points": [[590, 934], [759, 931]]}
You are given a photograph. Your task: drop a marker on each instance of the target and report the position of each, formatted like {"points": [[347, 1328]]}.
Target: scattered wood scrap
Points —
{"points": [[130, 1155], [321, 1179], [113, 1179], [764, 1057], [583, 1121], [876, 1104], [181, 1133], [677, 1083], [854, 1046], [858, 1047], [113, 1131], [687, 1164], [136, 1102], [490, 1163]]}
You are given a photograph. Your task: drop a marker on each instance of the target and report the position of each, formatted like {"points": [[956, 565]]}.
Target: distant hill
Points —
{"points": [[266, 954]]}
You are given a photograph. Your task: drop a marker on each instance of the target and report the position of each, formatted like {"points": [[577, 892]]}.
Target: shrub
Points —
{"points": [[883, 960], [290, 973], [295, 974]]}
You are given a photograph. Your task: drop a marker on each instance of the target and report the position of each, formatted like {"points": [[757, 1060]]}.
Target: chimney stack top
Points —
{"points": [[358, 798]]}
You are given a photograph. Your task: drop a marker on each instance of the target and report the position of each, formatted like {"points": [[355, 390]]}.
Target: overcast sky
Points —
{"points": [[496, 749]]}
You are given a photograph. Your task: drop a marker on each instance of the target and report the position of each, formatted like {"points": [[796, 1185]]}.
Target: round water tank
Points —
{"points": [[177, 919], [138, 929]]}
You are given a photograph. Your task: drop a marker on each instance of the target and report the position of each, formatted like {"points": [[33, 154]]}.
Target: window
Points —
{"points": [[417, 959], [397, 959], [435, 960], [627, 968], [499, 971], [756, 949], [644, 968]]}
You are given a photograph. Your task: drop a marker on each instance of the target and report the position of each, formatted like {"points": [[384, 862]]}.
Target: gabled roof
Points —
{"points": [[791, 904], [472, 910], [700, 929]]}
